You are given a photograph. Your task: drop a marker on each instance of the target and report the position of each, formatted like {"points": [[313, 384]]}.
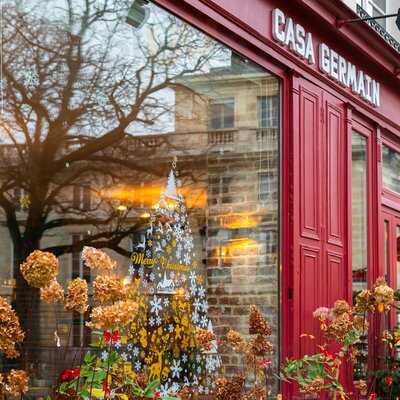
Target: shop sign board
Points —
{"points": [[296, 39]]}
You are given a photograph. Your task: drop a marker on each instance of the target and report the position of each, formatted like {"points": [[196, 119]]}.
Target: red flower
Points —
{"points": [[112, 337], [389, 381], [75, 372], [65, 375], [70, 373], [264, 363], [328, 355], [106, 388], [372, 396], [157, 395]]}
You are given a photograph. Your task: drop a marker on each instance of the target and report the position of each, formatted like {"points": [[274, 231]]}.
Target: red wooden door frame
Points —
{"points": [[391, 221], [374, 226], [390, 198]]}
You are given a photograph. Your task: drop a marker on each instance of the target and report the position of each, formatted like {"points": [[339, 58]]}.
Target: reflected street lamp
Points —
{"points": [[138, 13]]}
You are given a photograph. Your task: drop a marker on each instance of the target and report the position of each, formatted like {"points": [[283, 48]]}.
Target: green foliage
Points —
{"points": [[311, 368], [385, 390]]}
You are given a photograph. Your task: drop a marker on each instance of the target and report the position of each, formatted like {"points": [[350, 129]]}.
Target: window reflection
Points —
{"points": [[94, 113], [391, 168], [397, 250], [359, 213]]}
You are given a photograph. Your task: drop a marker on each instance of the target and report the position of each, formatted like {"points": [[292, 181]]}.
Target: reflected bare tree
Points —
{"points": [[77, 82]]}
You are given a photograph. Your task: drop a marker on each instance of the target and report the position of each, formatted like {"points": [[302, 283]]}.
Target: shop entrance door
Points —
{"points": [[320, 272], [391, 231]]}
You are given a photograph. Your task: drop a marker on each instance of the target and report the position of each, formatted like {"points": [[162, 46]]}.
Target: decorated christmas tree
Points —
{"points": [[165, 263]]}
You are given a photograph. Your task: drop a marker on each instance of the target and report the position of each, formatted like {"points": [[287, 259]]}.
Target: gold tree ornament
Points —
{"points": [[39, 268], [77, 296], [10, 330], [24, 202]]}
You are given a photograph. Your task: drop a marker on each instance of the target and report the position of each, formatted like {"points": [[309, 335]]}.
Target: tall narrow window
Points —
{"points": [[268, 111], [391, 169], [359, 213], [222, 113], [398, 265], [81, 198]]}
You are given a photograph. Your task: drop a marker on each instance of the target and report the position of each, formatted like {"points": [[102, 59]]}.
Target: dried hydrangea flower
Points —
{"points": [[323, 313], [383, 295], [10, 330], [98, 259], [17, 382], [229, 389], [364, 302], [107, 289], [204, 338], [260, 346], [257, 323], [116, 316], [361, 386], [341, 307], [314, 387], [39, 268], [360, 323], [340, 327], [2, 386], [257, 393], [236, 340], [53, 293], [77, 296]]}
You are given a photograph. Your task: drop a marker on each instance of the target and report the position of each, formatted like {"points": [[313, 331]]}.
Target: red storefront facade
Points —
{"points": [[272, 124], [319, 114]]}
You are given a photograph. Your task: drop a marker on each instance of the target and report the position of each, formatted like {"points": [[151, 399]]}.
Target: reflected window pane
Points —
{"points": [[359, 213], [397, 250], [391, 168]]}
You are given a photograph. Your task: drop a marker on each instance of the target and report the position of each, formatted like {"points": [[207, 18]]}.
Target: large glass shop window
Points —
{"points": [[126, 129]]}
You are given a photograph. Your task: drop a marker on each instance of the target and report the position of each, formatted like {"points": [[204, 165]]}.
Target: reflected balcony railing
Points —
{"points": [[221, 137]]}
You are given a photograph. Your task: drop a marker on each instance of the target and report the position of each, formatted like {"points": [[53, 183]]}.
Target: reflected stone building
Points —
{"points": [[226, 143]]}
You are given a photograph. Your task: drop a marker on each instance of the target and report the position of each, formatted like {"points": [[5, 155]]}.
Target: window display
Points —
{"points": [[125, 129]]}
